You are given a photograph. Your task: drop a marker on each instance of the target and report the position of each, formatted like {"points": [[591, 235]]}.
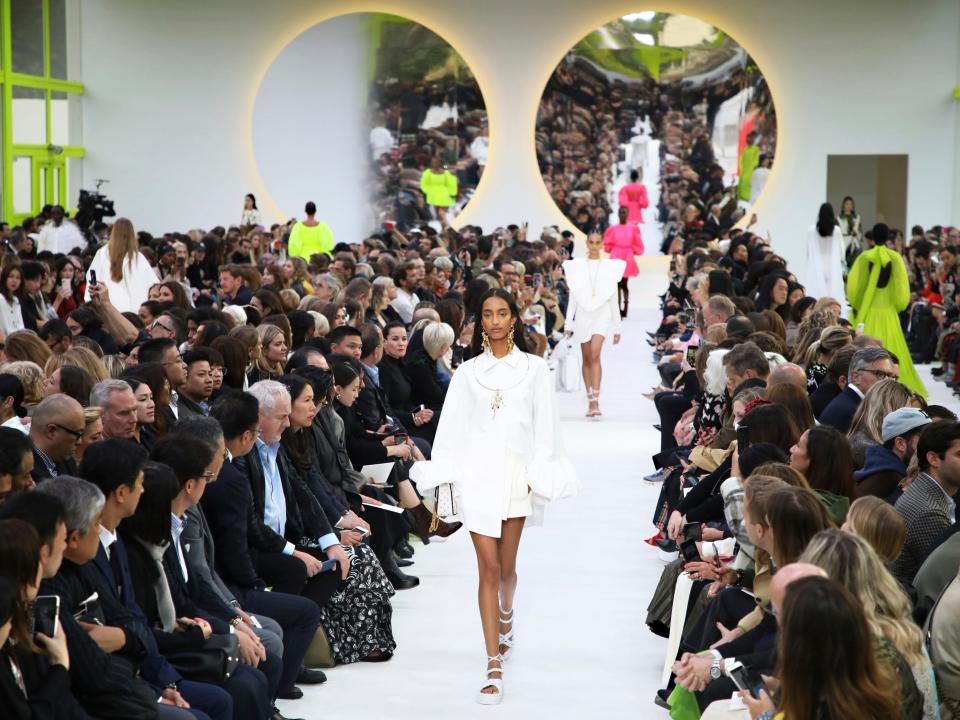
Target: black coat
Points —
{"points": [[48, 690], [425, 388], [306, 522], [40, 472], [363, 448], [821, 397], [839, 413]]}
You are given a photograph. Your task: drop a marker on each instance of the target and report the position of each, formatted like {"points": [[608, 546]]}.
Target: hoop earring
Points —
{"points": [[338, 396], [510, 339], [486, 342]]}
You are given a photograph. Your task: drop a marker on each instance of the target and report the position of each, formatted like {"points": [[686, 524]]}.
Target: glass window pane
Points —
{"points": [[59, 118], [22, 202], [58, 40], [29, 117], [74, 181], [26, 25]]}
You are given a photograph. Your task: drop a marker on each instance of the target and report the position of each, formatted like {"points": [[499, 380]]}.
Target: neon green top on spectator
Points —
{"points": [[306, 241]]}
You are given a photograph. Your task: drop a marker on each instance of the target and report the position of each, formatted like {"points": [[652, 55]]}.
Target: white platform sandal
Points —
{"points": [[493, 698], [506, 639]]}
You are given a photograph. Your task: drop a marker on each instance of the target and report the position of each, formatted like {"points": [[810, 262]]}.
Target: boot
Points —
{"points": [[423, 521], [403, 548], [397, 577]]}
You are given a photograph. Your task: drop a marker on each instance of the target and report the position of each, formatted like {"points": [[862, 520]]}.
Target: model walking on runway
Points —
{"points": [[499, 443], [624, 242], [592, 312]]}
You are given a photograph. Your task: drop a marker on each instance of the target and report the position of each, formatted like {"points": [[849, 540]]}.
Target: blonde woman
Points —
{"points": [[92, 431], [380, 313], [877, 521], [819, 353], [273, 354], [850, 561], [80, 357], [879, 401], [120, 266], [31, 377]]}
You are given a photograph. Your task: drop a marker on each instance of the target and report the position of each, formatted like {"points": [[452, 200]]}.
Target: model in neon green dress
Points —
{"points": [[439, 185], [878, 307], [749, 159]]}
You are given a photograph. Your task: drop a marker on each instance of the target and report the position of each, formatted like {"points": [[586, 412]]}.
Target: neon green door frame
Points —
{"points": [[46, 161]]}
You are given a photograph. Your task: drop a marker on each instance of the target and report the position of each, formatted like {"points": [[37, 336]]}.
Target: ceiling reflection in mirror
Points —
{"points": [[381, 115], [663, 114]]}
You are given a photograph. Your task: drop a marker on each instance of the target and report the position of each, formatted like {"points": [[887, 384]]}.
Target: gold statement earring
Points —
{"points": [[510, 340], [486, 342]]}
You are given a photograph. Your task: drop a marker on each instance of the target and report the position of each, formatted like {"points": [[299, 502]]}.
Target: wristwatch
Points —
{"points": [[715, 672], [235, 621]]}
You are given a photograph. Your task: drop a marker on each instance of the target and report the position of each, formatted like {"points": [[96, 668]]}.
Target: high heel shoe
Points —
{"points": [[592, 397], [506, 639], [493, 698]]}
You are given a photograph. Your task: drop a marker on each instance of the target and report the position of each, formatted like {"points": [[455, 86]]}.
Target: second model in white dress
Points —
{"points": [[498, 434], [824, 276], [593, 308]]}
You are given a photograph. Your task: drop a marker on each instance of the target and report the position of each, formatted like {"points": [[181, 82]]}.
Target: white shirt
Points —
{"points": [[524, 431], [11, 316], [60, 239], [381, 141], [107, 539], [131, 292], [176, 530], [480, 148], [404, 304]]}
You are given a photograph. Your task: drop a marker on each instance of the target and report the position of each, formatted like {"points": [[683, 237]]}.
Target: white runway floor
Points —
{"points": [[583, 650]]}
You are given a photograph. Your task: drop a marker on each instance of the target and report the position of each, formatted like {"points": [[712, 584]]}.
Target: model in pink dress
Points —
{"points": [[633, 196], [623, 242]]}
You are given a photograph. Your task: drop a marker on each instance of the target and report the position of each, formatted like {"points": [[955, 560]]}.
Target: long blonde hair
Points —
{"points": [[122, 245], [849, 560], [882, 398]]}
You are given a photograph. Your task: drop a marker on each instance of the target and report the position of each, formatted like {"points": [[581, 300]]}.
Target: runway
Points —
{"points": [[583, 649], [585, 579]]}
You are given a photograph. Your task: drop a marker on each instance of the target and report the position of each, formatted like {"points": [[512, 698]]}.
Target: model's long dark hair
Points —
{"points": [[476, 346], [826, 220]]}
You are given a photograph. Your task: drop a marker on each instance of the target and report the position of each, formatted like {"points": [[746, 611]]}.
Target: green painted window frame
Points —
{"points": [[43, 158]]}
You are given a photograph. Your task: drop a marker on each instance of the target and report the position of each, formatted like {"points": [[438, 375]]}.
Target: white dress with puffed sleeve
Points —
{"points": [[499, 443]]}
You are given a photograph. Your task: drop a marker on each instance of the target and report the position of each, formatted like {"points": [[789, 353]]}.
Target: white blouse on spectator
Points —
{"points": [[11, 318], [131, 292], [499, 433]]}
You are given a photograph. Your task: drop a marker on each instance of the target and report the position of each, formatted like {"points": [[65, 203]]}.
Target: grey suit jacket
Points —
{"points": [[211, 593], [935, 574], [925, 508]]}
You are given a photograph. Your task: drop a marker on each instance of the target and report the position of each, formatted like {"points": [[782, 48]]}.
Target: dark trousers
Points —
{"points": [[206, 700], [250, 690], [729, 607], [286, 574], [299, 619], [671, 406]]}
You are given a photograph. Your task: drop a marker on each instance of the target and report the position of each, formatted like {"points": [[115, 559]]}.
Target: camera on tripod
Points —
{"points": [[93, 207]]}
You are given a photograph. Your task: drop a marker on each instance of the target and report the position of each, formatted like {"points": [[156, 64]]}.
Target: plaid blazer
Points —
{"points": [[926, 510]]}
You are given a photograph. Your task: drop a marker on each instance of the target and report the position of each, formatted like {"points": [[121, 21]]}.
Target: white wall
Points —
{"points": [[171, 87]]}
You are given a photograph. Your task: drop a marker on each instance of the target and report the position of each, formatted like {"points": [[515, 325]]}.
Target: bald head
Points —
{"points": [[787, 374], [57, 425], [786, 575]]}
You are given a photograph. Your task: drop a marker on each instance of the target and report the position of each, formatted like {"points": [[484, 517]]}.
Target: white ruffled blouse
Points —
{"points": [[478, 449]]}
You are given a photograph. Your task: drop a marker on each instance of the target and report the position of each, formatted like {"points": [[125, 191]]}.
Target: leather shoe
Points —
{"points": [[293, 693], [667, 545], [403, 549], [403, 563], [277, 715], [398, 578], [307, 676]]}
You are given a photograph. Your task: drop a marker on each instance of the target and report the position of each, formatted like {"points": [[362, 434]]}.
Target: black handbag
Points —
{"points": [[214, 662]]}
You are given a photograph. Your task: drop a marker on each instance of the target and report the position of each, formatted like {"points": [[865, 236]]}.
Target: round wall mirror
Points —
{"points": [[374, 118], [663, 114]]}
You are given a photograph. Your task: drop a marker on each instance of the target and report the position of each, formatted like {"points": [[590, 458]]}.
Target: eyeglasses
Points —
{"points": [[76, 433], [882, 374], [158, 324]]}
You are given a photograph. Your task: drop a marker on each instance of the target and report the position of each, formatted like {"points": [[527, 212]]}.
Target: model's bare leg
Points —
{"points": [[587, 371], [510, 532], [596, 345], [488, 564]]}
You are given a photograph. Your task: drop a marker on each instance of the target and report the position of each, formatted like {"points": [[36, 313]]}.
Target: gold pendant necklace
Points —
{"points": [[497, 402]]}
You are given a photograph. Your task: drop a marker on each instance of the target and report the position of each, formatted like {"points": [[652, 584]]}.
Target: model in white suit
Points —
{"points": [[593, 311], [499, 443]]}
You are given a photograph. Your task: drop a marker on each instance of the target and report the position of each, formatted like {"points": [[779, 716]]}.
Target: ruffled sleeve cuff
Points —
{"points": [[552, 478]]}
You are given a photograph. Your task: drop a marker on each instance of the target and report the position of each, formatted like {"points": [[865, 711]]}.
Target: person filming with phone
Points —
{"points": [[34, 660]]}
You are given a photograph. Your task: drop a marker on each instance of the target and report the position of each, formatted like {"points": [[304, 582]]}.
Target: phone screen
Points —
{"points": [[743, 437], [93, 277], [328, 565], [688, 548], [45, 609], [692, 531], [692, 355]]}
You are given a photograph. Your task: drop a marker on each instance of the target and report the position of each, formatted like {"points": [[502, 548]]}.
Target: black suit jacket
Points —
{"points": [[48, 690], [306, 522], [839, 413], [231, 515], [425, 388], [822, 397]]}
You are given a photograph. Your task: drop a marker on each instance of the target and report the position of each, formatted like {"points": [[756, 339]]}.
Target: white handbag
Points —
{"points": [[444, 504], [568, 366]]}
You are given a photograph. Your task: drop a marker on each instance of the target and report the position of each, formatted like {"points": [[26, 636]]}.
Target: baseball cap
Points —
{"points": [[10, 386], [901, 421]]}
